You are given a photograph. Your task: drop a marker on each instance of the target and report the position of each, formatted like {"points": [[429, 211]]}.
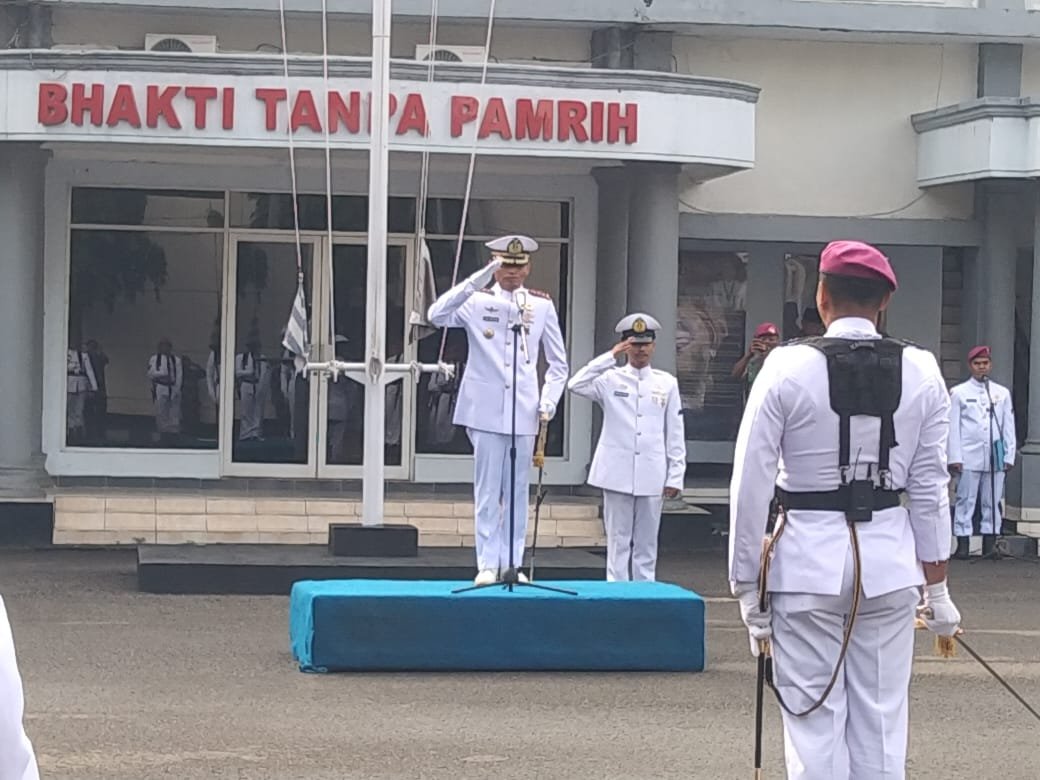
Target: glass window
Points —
{"points": [[435, 404], [538, 219], [800, 280], [154, 208], [144, 317], [709, 341], [273, 211]]}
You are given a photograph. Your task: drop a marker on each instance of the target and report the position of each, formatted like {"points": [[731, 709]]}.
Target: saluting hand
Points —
{"points": [[622, 348]]}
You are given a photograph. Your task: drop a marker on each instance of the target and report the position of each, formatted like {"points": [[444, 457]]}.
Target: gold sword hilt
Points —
{"points": [[539, 449]]}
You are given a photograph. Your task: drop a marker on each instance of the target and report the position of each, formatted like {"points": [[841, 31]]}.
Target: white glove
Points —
{"points": [[759, 623], [547, 409], [480, 278], [938, 611]]}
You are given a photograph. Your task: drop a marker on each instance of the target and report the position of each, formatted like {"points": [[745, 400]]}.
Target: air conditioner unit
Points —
{"points": [[188, 44], [425, 53]]}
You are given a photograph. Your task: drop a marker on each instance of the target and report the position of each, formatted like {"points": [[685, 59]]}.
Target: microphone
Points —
{"points": [[521, 302]]}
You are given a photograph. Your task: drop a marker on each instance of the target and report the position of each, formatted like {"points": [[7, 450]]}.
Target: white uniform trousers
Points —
{"points": [[860, 732], [632, 524], [968, 488], [491, 475], [17, 761]]}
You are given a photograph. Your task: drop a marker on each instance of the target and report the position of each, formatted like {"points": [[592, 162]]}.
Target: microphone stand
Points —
{"points": [[509, 577]]}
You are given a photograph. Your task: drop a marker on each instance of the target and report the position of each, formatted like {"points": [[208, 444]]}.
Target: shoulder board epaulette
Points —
{"points": [[540, 294]]}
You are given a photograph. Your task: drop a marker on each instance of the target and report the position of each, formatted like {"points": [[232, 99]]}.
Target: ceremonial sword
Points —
{"points": [[539, 496], [997, 677]]}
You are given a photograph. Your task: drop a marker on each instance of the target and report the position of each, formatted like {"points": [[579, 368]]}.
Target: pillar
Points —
{"points": [[1029, 461], [612, 254], [21, 319], [653, 251], [997, 260]]}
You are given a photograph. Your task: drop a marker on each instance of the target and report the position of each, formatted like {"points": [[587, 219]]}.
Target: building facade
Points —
{"points": [[684, 159]]}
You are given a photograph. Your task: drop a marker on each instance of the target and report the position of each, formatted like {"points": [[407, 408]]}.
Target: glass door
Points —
{"points": [[342, 403], [267, 409]]}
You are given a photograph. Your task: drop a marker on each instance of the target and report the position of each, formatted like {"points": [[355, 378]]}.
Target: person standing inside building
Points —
{"points": [[485, 403], [166, 373], [80, 384], [17, 760], [641, 455], [766, 337], [982, 450], [97, 403], [252, 376], [836, 433]]}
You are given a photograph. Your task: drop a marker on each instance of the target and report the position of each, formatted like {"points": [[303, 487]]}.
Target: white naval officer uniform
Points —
{"points": [[252, 376], [17, 761], [971, 446], [641, 451], [789, 437], [484, 405], [80, 381]]}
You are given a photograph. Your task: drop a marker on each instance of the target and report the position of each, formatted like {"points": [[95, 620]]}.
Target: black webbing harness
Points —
{"points": [[865, 378]]}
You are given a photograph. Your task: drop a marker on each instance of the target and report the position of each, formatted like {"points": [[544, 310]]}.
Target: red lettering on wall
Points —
{"points": [[571, 121], [463, 111], [124, 108], [159, 104], [496, 121], [200, 96], [596, 122], [304, 112], [413, 116], [51, 108], [94, 103], [348, 114], [534, 120], [618, 122], [228, 108], [271, 98]]}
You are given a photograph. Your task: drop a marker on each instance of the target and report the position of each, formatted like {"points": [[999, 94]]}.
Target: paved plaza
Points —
{"points": [[126, 686]]}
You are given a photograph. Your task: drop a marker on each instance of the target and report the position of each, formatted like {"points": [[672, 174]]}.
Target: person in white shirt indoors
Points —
{"points": [[485, 401], [846, 428], [166, 373], [982, 450], [641, 455]]}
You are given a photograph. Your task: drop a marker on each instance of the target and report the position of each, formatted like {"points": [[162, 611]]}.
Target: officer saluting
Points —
{"points": [[843, 426], [485, 401], [641, 454]]}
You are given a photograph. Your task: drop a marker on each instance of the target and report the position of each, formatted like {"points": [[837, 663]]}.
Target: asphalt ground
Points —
{"points": [[122, 685]]}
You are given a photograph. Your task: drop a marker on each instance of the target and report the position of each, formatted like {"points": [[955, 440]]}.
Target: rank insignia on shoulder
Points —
{"points": [[540, 294]]}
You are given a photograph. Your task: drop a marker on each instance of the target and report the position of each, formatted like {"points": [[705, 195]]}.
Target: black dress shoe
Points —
{"points": [[989, 542], [963, 548]]}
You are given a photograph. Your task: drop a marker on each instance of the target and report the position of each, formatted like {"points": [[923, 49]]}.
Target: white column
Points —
{"points": [[653, 251], [373, 487], [21, 320]]}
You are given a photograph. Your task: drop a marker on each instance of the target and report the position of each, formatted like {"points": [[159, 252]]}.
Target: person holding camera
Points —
{"points": [[767, 336]]}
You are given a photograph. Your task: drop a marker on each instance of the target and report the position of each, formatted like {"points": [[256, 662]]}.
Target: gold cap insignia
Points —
{"points": [[515, 247], [639, 326]]}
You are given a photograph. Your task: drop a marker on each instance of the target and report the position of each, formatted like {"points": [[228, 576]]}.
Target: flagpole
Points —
{"points": [[378, 186]]}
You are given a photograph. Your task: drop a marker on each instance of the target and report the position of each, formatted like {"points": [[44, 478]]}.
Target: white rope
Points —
{"points": [[424, 168], [292, 150], [469, 173], [328, 171]]}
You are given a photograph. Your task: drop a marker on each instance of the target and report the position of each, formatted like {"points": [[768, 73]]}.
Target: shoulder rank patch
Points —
{"points": [[540, 294]]}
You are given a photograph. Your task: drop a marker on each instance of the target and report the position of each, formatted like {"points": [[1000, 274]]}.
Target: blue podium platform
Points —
{"points": [[398, 625]]}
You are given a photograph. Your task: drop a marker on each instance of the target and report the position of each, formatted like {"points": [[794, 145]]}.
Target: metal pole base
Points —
{"points": [[510, 579]]}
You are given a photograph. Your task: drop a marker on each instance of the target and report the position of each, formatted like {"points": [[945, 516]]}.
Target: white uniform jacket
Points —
{"points": [[642, 447], [166, 373], [789, 437], [970, 426], [79, 371], [485, 395]]}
